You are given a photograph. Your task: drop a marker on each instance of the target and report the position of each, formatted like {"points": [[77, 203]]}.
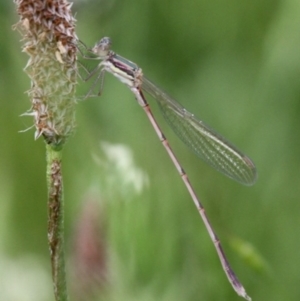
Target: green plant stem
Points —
{"points": [[56, 223]]}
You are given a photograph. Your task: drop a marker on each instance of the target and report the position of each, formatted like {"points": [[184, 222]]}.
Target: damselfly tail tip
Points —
{"points": [[248, 298], [242, 293]]}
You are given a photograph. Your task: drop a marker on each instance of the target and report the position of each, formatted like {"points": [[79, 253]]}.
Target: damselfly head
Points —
{"points": [[102, 48]]}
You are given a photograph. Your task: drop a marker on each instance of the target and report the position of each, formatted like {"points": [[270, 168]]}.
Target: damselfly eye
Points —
{"points": [[102, 47]]}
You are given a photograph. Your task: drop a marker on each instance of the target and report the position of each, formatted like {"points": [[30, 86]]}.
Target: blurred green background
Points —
{"points": [[236, 65]]}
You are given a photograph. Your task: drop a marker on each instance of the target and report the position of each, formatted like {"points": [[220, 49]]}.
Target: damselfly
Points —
{"points": [[205, 142]]}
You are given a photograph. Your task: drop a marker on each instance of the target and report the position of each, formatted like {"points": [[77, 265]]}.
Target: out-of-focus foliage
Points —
{"points": [[236, 65]]}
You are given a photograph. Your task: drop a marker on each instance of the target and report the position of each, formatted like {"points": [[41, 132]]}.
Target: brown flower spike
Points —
{"points": [[50, 39]]}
